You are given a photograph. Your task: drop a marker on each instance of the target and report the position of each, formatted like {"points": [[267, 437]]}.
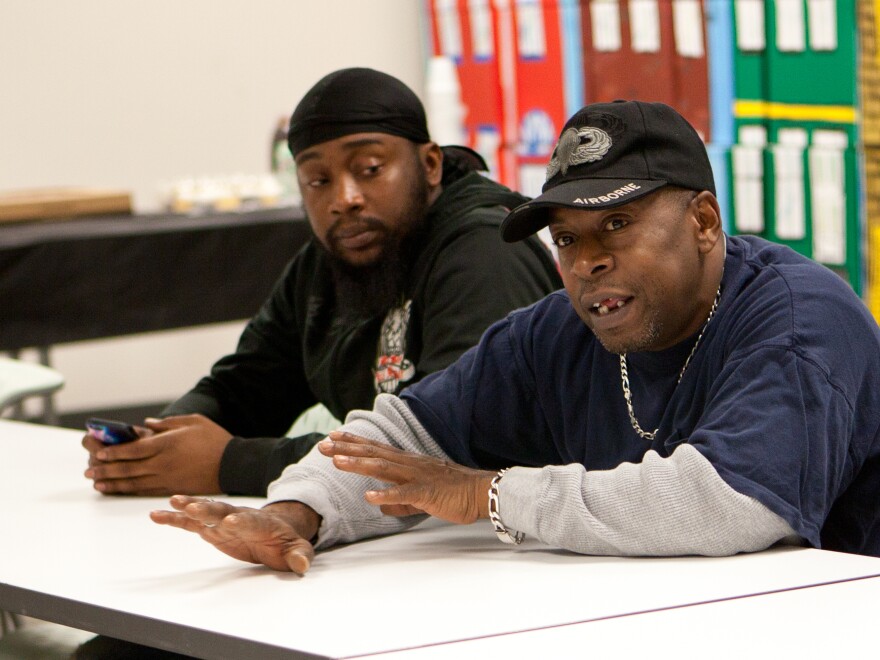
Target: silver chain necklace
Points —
{"points": [[624, 374]]}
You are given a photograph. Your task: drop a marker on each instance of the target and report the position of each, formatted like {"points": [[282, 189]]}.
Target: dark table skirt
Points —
{"points": [[90, 278]]}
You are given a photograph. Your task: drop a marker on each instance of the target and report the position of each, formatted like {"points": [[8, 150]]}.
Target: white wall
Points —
{"points": [[130, 94]]}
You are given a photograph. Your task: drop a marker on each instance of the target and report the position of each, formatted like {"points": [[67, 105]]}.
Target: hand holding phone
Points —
{"points": [[111, 432]]}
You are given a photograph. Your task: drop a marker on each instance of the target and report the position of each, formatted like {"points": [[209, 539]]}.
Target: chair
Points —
{"points": [[20, 380], [316, 419], [41, 640]]}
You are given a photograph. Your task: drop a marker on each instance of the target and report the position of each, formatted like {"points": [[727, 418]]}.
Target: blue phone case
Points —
{"points": [[111, 432]]}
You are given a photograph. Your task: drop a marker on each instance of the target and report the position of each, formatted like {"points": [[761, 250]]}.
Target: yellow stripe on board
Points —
{"points": [[840, 114], [873, 292], [877, 28]]}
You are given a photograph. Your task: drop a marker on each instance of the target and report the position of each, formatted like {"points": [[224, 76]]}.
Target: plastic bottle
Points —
{"points": [[283, 165]]}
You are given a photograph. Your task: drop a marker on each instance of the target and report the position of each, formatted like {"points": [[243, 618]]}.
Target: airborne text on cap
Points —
{"points": [[608, 197]]}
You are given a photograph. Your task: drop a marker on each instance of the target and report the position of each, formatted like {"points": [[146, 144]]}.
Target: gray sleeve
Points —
{"points": [[338, 497], [659, 507]]}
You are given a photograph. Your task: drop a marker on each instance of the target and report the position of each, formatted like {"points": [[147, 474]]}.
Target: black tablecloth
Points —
{"points": [[100, 277]]}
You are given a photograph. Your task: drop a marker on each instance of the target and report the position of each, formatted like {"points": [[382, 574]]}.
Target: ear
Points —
{"points": [[431, 157], [707, 213]]}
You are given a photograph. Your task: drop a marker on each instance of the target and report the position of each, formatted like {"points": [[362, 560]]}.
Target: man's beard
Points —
{"points": [[642, 342], [371, 290]]}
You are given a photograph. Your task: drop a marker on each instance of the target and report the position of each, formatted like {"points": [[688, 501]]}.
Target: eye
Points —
{"points": [[366, 165], [312, 177], [371, 170], [562, 240], [615, 224]]}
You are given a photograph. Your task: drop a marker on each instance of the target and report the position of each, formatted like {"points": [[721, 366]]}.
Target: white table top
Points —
{"points": [[75, 557], [832, 621]]}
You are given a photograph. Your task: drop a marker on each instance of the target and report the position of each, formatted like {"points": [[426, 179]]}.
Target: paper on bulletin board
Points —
{"points": [[823, 24], [790, 26], [482, 31], [748, 182], [828, 196], [748, 178], [788, 166], [687, 23], [644, 25], [750, 29], [449, 26], [530, 23], [487, 142], [605, 18]]}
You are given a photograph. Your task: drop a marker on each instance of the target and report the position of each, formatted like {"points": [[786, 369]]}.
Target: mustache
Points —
{"points": [[365, 224], [586, 289]]}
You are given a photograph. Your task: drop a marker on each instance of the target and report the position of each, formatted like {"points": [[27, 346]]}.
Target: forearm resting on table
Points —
{"points": [[659, 507]]}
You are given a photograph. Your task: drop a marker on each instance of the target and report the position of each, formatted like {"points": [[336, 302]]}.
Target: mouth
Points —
{"points": [[356, 237], [608, 306]]}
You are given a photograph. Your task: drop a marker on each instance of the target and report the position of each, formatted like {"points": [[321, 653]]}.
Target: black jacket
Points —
{"points": [[295, 352]]}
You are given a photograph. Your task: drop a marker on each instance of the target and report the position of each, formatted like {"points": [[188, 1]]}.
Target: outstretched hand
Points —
{"points": [[276, 535], [421, 483]]}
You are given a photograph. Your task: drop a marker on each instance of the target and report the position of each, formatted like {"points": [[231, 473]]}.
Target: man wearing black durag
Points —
{"points": [[405, 271]]}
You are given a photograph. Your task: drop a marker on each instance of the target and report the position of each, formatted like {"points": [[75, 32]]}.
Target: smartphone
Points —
{"points": [[111, 432]]}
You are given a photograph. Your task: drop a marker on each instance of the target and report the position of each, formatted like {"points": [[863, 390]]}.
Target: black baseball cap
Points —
{"points": [[356, 100], [610, 154]]}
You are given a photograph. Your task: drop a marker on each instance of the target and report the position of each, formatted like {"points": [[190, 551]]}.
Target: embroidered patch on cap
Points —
{"points": [[588, 140], [577, 146]]}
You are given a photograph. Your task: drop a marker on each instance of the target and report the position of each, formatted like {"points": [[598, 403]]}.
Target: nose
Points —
{"points": [[591, 260], [347, 196]]}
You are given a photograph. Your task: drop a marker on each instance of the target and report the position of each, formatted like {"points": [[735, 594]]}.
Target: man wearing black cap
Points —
{"points": [[688, 393], [405, 272]]}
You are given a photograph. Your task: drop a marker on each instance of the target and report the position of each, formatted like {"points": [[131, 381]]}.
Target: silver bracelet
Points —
{"points": [[495, 513]]}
